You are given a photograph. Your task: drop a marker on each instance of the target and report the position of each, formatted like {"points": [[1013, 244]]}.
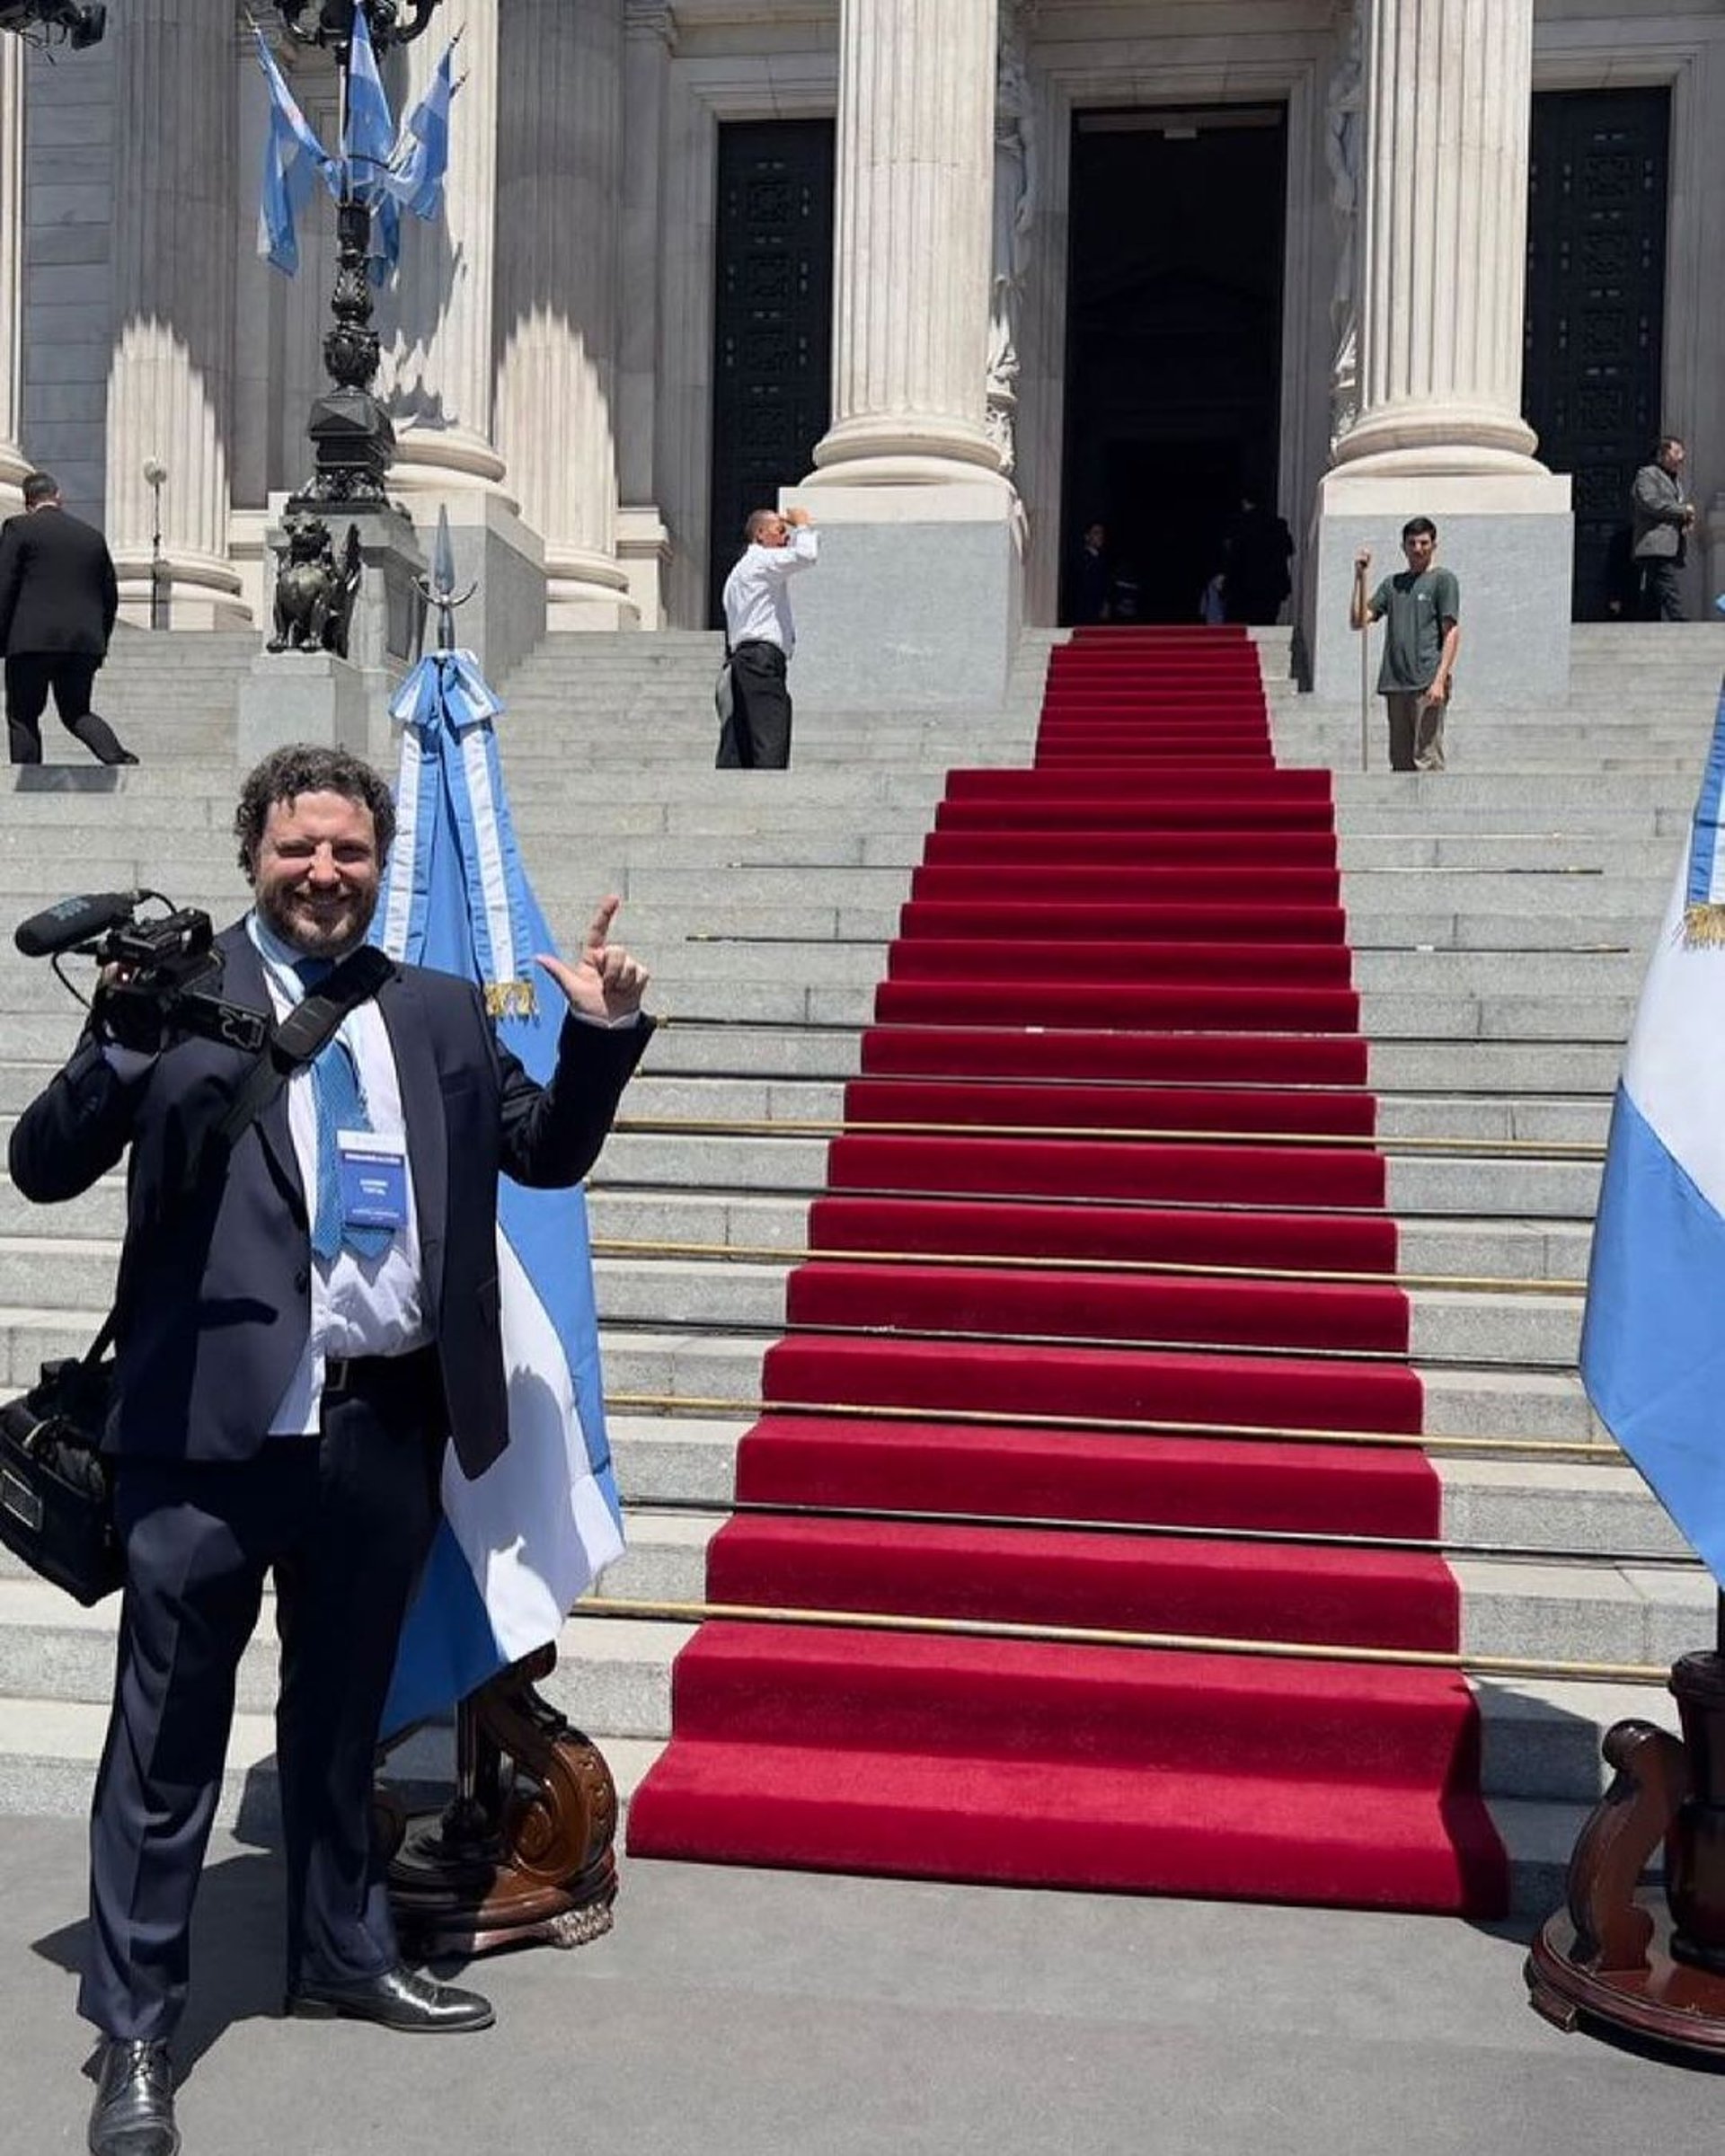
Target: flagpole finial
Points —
{"points": [[438, 590]]}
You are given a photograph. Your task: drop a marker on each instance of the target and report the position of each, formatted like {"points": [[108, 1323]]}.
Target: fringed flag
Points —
{"points": [[1652, 1341], [521, 1543]]}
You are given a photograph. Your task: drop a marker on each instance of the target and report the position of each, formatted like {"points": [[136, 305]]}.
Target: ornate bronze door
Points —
{"points": [[772, 321], [1595, 310]]}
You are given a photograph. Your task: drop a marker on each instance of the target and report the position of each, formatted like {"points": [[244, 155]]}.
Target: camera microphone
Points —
{"points": [[74, 920]]}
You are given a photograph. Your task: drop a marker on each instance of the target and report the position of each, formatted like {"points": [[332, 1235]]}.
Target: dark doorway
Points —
{"points": [[1174, 343], [771, 362], [1595, 310]]}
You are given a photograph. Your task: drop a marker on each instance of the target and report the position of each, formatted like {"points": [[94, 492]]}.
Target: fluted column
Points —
{"points": [[915, 193], [437, 364], [1443, 254], [559, 196], [170, 379], [13, 462]]}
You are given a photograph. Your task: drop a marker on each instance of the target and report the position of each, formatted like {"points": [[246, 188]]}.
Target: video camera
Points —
{"points": [[163, 967], [79, 24]]}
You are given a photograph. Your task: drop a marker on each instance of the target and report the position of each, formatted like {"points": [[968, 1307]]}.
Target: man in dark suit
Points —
{"points": [[59, 598], [286, 1383]]}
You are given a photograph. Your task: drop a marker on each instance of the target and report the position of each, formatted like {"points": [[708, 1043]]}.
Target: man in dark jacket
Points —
{"points": [[1664, 519], [59, 598], [295, 1345]]}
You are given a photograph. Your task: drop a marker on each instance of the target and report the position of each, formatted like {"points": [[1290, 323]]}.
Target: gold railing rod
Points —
{"points": [[1159, 1530], [620, 1246], [746, 940], [719, 1126], [679, 1403], [1072, 1635]]}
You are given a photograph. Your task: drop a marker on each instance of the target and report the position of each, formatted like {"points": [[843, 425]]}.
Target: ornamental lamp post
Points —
{"points": [[352, 440], [155, 473]]}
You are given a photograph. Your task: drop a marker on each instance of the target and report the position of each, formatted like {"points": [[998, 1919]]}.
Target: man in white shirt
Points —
{"points": [[759, 639]]}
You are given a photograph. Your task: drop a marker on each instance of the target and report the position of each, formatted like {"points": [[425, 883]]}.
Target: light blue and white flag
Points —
{"points": [[422, 158], [294, 161], [368, 141], [523, 1542], [1653, 1339]]}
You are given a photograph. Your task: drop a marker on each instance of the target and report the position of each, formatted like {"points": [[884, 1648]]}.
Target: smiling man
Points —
{"points": [[296, 1345]]}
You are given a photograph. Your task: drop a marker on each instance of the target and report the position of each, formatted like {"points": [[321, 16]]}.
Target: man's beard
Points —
{"points": [[317, 932]]}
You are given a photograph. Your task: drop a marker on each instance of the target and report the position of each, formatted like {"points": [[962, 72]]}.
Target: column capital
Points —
{"points": [[650, 19]]}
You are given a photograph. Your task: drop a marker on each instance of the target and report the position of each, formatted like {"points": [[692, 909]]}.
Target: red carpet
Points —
{"points": [[1112, 1129]]}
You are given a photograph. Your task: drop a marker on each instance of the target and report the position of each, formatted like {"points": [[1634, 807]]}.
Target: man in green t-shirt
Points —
{"points": [[1421, 608]]}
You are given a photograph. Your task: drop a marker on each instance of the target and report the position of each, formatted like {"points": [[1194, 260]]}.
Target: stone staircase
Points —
{"points": [[1500, 917]]}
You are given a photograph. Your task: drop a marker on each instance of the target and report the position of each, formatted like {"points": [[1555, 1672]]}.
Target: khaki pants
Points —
{"points": [[1416, 730]]}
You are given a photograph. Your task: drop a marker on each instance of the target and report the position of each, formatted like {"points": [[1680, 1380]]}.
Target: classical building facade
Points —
{"points": [[972, 272]]}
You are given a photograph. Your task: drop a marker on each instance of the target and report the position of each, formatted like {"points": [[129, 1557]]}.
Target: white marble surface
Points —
{"points": [[13, 462]]}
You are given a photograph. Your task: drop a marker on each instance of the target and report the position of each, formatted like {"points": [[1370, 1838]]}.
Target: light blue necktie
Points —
{"points": [[339, 1106]]}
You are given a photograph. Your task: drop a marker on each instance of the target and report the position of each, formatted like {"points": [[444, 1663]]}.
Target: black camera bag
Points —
{"points": [[55, 1498], [56, 1488]]}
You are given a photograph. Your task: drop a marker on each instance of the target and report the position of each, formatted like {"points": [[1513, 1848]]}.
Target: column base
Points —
{"points": [[917, 599], [1509, 537], [586, 590], [906, 453], [506, 616], [15, 467], [198, 592], [442, 460], [1402, 443]]}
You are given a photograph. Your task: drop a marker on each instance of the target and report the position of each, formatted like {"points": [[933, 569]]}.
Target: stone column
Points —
{"points": [[1441, 295], [1444, 243], [643, 543], [171, 380], [436, 377], [559, 191], [913, 268], [14, 465]]}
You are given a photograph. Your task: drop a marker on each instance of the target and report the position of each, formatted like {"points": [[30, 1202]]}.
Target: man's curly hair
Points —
{"points": [[303, 767]]}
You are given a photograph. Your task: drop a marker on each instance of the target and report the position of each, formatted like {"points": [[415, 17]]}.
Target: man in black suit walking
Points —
{"points": [[293, 1351], [59, 598]]}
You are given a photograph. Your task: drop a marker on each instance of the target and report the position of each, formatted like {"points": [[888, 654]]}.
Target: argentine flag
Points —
{"points": [[1653, 1338], [294, 161], [518, 1546]]}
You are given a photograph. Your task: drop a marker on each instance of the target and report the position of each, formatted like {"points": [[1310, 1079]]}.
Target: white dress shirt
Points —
{"points": [[758, 607], [359, 1306]]}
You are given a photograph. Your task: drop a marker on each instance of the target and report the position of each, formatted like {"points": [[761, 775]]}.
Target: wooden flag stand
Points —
{"points": [[525, 1853], [1649, 1963]]}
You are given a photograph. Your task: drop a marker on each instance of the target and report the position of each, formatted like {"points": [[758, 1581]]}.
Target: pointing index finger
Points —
{"points": [[598, 928]]}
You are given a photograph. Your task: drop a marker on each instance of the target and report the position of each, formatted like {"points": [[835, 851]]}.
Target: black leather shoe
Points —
{"points": [[402, 1998], [134, 2107]]}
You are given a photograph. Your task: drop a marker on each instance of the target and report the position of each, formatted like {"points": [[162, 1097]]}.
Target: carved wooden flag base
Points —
{"points": [[1648, 1964], [524, 1855]]}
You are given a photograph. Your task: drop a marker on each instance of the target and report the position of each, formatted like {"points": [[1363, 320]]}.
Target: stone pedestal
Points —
{"points": [[916, 602], [1447, 101], [506, 616], [14, 465], [302, 696], [299, 696]]}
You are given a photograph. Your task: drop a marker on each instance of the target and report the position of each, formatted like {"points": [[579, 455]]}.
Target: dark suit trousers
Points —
{"points": [[346, 1521], [1661, 592], [71, 674], [758, 736]]}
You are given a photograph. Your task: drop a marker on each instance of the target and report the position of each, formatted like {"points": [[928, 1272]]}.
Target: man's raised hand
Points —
{"points": [[605, 982]]}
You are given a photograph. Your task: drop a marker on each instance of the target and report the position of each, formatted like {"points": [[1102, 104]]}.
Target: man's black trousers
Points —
{"points": [[1661, 590], [71, 674], [346, 1520], [757, 736]]}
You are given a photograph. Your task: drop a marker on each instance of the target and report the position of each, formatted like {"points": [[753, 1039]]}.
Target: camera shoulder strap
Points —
{"points": [[298, 1039]]}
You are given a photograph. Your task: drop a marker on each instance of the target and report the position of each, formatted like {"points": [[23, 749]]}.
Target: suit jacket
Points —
{"points": [[1658, 504], [215, 1285], [57, 590]]}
